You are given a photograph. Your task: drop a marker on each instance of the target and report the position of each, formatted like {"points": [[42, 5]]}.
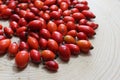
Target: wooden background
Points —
{"points": [[102, 64]]}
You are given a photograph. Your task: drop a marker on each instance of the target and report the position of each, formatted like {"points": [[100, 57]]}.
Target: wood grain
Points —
{"points": [[102, 64]]}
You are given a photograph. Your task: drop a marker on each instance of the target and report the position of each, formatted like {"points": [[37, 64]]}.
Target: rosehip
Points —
{"points": [[22, 59], [51, 65], [47, 55], [35, 56], [64, 53]]}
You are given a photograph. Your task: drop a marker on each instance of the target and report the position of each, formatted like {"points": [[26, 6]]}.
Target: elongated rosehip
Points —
{"points": [[22, 13], [35, 56], [14, 25], [72, 33], [22, 6], [8, 32], [34, 10], [82, 36], [33, 43], [70, 25], [63, 6], [52, 45], [35, 25], [51, 65], [46, 16], [49, 2], [74, 10], [69, 39], [43, 43], [68, 18], [23, 35], [51, 26], [78, 16], [83, 22], [2, 7], [84, 2], [64, 53], [88, 14], [45, 7], [6, 13], [22, 22], [86, 29], [47, 55], [4, 44], [75, 50], [84, 45], [12, 5], [38, 4], [23, 45], [66, 13], [57, 36], [45, 33], [13, 49], [92, 24], [15, 17], [29, 16], [22, 59], [62, 28], [20, 29], [58, 22], [55, 15], [81, 7], [53, 7]]}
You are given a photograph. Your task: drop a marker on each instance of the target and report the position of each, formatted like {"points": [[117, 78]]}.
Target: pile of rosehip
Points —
{"points": [[47, 29]]}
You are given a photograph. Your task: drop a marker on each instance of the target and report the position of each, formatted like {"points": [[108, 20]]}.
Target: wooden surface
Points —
{"points": [[102, 64]]}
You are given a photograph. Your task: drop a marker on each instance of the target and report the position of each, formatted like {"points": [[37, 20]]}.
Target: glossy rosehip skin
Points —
{"points": [[43, 43], [51, 65], [84, 45], [33, 42], [52, 45], [4, 44], [57, 36], [22, 59], [75, 50], [13, 49], [47, 55], [35, 56], [64, 53]]}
